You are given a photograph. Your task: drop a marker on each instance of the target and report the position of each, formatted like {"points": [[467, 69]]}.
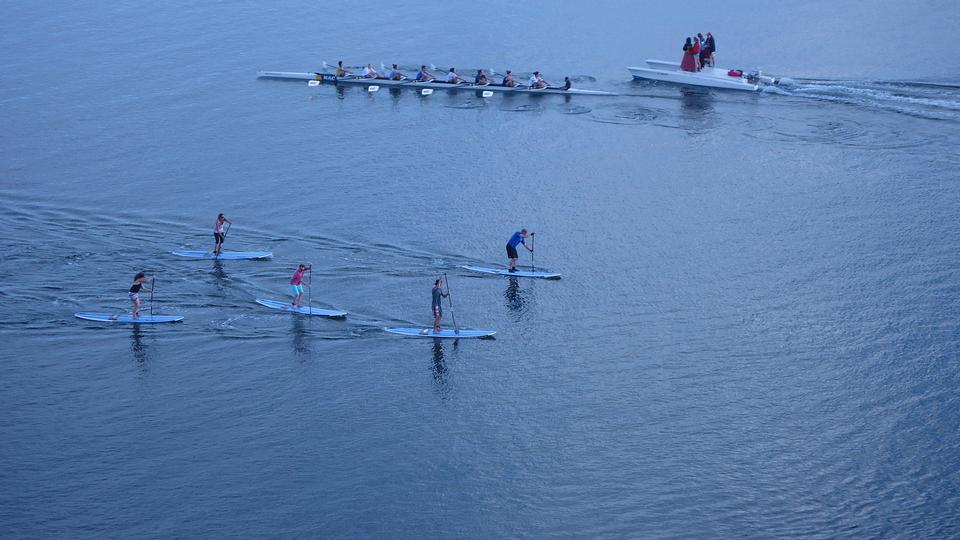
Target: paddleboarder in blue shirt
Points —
{"points": [[518, 237], [437, 306]]}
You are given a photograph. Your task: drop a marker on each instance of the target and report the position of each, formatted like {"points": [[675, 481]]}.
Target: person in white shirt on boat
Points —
{"points": [[424, 74], [536, 81], [453, 78], [395, 74], [370, 73], [508, 80]]}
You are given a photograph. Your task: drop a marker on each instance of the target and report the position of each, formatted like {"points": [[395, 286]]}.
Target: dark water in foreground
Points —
{"points": [[755, 335]]}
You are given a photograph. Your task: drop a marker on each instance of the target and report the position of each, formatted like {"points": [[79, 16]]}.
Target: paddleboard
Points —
{"points": [[303, 310], [518, 273], [145, 318], [443, 333], [225, 255]]}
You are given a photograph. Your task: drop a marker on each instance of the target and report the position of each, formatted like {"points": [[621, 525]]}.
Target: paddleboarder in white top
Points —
{"points": [[296, 283], [218, 235], [517, 238], [139, 281], [437, 305]]}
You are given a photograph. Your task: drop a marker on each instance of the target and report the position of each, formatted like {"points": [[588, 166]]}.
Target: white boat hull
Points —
{"points": [[710, 77], [433, 85]]}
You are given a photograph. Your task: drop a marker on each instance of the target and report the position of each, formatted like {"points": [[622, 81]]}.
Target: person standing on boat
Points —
{"points": [[453, 78], [688, 63], [536, 81], [424, 74], [341, 72], [296, 283], [436, 306], [508, 80], [370, 73], [481, 78], [395, 74], [709, 48], [218, 235], [695, 52], [517, 238], [138, 285]]}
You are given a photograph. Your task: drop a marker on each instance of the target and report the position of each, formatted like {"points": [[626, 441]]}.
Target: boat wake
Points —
{"points": [[934, 101]]}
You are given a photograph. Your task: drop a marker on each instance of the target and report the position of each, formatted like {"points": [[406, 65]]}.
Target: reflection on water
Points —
{"points": [[301, 346], [220, 276], [696, 106], [515, 299], [440, 365], [136, 345]]}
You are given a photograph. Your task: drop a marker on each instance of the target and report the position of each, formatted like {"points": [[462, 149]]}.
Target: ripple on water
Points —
{"points": [[841, 131], [523, 108], [576, 109], [625, 115]]}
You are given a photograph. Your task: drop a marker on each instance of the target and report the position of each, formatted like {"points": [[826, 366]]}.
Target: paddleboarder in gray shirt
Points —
{"points": [[437, 306]]}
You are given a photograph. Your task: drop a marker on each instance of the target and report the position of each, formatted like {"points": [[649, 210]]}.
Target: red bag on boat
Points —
{"points": [[735, 73]]}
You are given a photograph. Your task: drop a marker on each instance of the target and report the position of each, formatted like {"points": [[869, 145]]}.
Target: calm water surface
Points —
{"points": [[755, 334]]}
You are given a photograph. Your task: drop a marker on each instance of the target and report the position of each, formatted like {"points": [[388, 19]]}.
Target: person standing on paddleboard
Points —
{"points": [[518, 237], [138, 285], [218, 234], [296, 283], [437, 305]]}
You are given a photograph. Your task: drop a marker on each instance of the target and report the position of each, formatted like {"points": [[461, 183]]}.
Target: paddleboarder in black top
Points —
{"points": [[437, 306], [138, 285]]}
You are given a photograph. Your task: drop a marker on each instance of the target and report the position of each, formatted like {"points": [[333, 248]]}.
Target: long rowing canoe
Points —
{"points": [[407, 83]]}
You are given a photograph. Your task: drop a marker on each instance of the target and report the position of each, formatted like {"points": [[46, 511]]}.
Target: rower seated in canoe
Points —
{"points": [[396, 75], [536, 81], [341, 71], [370, 73], [566, 83], [508, 80], [481, 79], [453, 78], [424, 74]]}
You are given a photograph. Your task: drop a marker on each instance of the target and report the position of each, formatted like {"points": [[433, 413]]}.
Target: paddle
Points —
{"points": [[456, 329], [225, 233], [533, 267]]}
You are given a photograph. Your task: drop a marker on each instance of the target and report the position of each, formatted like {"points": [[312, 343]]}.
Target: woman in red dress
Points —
{"points": [[689, 62]]}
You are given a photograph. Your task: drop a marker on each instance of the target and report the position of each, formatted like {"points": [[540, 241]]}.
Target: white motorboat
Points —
{"points": [[713, 77]]}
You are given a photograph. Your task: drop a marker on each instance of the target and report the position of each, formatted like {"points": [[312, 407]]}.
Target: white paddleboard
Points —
{"points": [[225, 255], [443, 333], [303, 310], [145, 318], [518, 273]]}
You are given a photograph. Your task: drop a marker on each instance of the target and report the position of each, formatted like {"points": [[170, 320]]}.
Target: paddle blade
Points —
{"points": [[426, 91], [313, 83], [486, 93], [372, 88]]}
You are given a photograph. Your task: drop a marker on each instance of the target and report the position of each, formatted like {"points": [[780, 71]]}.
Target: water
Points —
{"points": [[755, 334]]}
